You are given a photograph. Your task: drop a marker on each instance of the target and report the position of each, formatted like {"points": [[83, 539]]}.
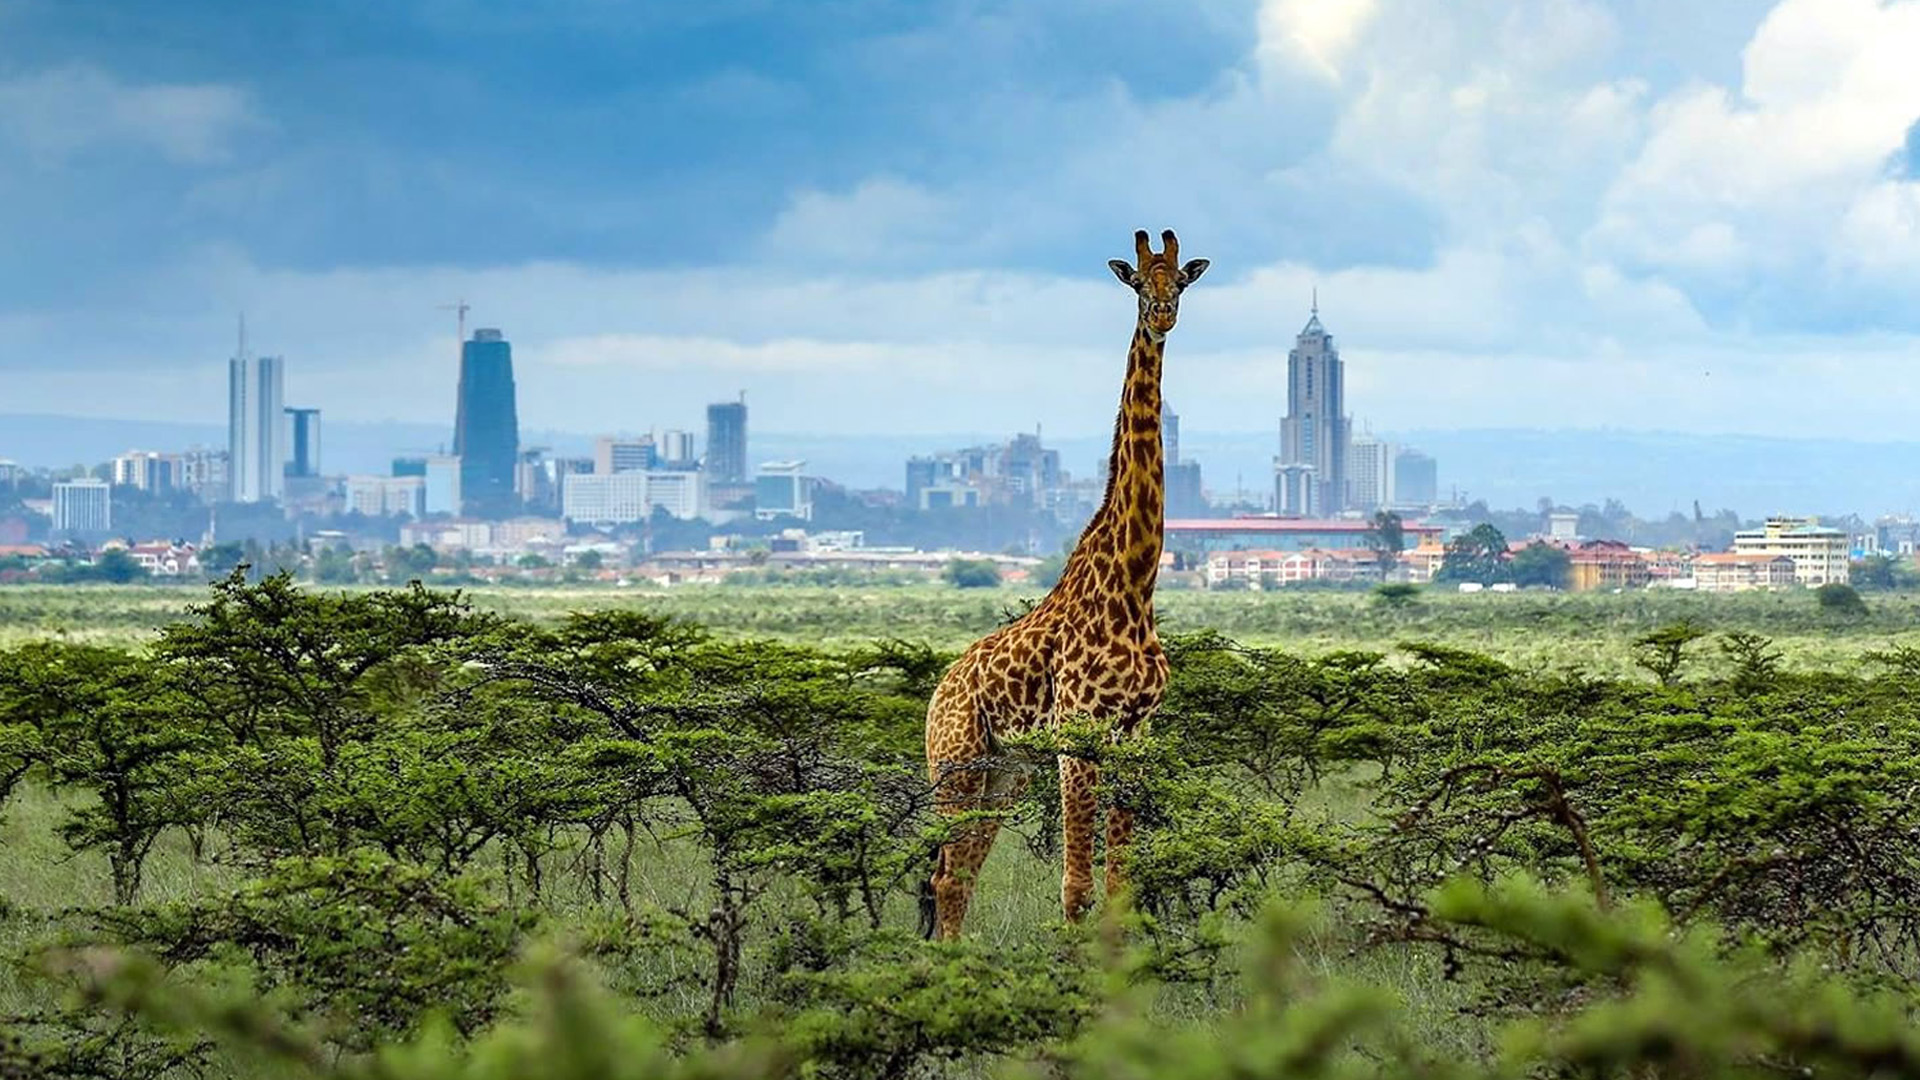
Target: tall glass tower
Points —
{"points": [[727, 442], [1310, 475], [486, 425]]}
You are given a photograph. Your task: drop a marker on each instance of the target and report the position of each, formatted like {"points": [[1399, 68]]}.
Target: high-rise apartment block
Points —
{"points": [[206, 472], [675, 450], [486, 426], [82, 507], [1370, 475], [303, 444], [256, 453], [147, 470], [1310, 474], [619, 453], [727, 442]]}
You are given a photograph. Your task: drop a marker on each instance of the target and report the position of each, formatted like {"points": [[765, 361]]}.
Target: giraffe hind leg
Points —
{"points": [[1119, 840], [1079, 816], [981, 784]]}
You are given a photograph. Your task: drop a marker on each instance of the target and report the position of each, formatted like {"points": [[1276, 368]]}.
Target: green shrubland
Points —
{"points": [[396, 833]]}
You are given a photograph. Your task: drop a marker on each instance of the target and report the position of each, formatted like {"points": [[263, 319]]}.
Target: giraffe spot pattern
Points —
{"points": [[1089, 647]]}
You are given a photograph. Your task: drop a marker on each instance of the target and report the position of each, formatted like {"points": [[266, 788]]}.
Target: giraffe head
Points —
{"points": [[1158, 280]]}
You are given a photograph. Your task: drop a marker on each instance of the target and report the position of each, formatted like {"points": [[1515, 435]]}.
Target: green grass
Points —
{"points": [[1531, 630], [1018, 898], [1017, 902]]}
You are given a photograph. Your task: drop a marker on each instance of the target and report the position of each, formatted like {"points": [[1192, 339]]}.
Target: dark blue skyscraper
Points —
{"points": [[486, 425], [727, 442]]}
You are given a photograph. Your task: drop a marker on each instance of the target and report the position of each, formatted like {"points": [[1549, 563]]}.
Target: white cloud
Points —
{"points": [[882, 219], [58, 113], [1779, 175]]}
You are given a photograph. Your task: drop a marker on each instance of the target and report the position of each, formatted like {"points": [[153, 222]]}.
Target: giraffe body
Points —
{"points": [[1089, 649]]}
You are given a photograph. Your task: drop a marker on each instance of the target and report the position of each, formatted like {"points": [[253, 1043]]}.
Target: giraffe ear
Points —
{"points": [[1123, 270], [1194, 269]]}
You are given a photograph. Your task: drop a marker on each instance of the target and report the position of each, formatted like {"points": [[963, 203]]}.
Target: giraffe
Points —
{"points": [[1089, 648]]}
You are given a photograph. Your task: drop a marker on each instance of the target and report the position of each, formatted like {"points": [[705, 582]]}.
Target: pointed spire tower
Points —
{"points": [[1310, 474]]}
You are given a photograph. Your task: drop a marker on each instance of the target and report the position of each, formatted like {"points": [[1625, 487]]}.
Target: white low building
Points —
{"points": [[379, 496], [621, 498]]}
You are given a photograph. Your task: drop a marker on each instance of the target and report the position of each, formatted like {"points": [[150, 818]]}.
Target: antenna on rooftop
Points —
{"points": [[242, 354]]}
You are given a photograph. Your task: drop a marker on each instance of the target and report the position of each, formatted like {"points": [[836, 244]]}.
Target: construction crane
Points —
{"points": [[460, 308]]}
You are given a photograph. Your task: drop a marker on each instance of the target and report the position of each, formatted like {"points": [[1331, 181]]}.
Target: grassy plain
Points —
{"points": [[1593, 632]]}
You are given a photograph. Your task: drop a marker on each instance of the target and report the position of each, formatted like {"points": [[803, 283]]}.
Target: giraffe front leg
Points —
{"points": [[1079, 814]]}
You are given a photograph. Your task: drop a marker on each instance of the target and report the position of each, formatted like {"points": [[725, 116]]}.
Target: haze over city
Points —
{"points": [[1698, 218]]}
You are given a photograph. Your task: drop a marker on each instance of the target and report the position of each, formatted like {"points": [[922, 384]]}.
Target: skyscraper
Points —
{"points": [[1370, 477], [1311, 472], [303, 443], [727, 442], [486, 425], [256, 453], [1185, 496], [147, 470], [1416, 480], [1169, 433]]}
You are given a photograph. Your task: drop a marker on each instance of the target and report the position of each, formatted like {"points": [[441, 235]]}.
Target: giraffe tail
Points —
{"points": [[929, 904]]}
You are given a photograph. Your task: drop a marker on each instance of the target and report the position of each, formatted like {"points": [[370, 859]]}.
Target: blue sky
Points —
{"points": [[880, 216]]}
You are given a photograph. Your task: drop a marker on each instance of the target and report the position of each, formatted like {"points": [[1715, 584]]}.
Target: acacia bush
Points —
{"points": [[389, 801]]}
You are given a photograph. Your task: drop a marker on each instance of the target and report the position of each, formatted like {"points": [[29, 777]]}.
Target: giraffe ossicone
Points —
{"points": [[1088, 649]]}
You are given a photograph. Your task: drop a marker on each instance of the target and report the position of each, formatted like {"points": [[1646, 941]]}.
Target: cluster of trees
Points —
{"points": [[1482, 555], [394, 800]]}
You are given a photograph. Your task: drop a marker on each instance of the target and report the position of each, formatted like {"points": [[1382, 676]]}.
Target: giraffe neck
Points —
{"points": [[1120, 549]]}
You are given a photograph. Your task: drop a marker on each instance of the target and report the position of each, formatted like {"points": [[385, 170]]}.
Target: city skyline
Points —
{"points": [[860, 269]]}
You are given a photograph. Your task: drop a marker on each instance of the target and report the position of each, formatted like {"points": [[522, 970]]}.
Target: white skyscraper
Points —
{"points": [[256, 447]]}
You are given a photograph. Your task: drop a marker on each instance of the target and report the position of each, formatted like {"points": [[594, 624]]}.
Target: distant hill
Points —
{"points": [[1652, 472]]}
